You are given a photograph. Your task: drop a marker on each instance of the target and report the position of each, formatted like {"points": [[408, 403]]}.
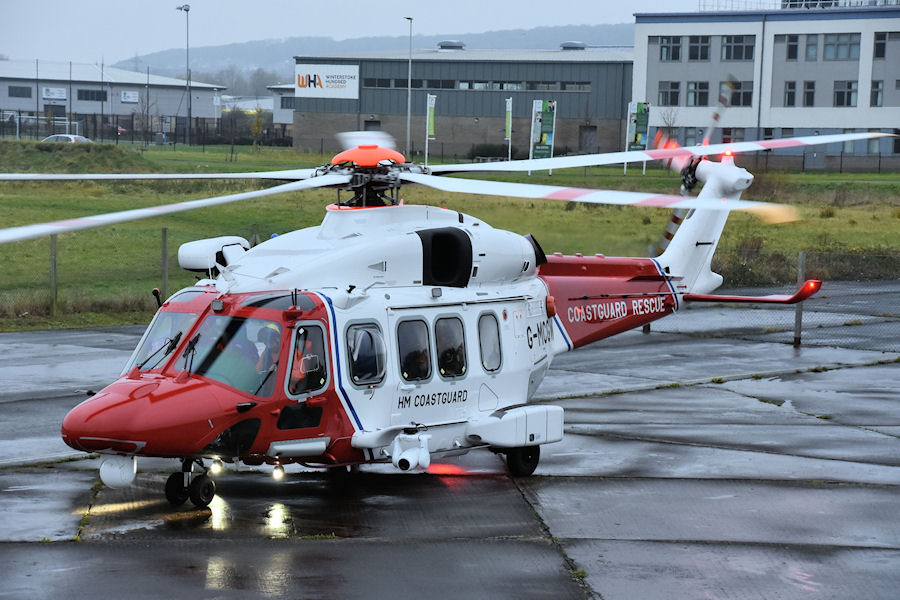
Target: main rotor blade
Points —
{"points": [[774, 213], [27, 232], [612, 158], [290, 175]]}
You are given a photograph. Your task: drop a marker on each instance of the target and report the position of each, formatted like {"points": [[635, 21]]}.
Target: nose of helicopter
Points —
{"points": [[141, 417]]}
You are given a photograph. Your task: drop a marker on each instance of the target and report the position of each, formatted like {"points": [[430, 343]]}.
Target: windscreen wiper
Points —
{"points": [[170, 345]]}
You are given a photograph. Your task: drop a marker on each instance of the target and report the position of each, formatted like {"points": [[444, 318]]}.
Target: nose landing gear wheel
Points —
{"points": [[202, 490], [522, 462], [176, 493]]}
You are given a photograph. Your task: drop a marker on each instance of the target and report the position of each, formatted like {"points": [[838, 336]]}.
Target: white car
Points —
{"points": [[65, 137]]}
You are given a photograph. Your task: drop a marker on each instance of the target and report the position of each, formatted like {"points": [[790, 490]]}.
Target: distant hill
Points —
{"points": [[277, 55]]}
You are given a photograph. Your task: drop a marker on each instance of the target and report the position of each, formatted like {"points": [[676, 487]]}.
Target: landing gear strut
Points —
{"points": [[181, 486]]}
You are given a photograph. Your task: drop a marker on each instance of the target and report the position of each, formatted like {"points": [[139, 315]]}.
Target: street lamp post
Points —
{"points": [[409, 89], [186, 8]]}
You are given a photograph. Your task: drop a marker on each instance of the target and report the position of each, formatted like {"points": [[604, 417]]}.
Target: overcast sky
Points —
{"points": [[113, 30]]}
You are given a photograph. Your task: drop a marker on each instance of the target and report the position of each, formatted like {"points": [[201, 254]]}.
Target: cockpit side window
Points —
{"points": [[308, 372], [366, 354]]}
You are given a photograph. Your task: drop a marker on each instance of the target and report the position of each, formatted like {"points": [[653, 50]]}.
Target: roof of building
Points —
{"points": [[589, 54], [784, 14], [86, 73]]}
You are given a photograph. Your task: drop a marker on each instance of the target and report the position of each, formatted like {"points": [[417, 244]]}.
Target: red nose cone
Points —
{"points": [[162, 418]]}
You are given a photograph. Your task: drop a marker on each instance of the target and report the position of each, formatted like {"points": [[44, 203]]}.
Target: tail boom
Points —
{"points": [[598, 296]]}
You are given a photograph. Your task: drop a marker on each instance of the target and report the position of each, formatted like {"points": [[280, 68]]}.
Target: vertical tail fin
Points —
{"points": [[690, 252]]}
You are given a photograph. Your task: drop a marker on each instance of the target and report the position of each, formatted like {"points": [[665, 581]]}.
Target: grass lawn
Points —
{"points": [[106, 274]]}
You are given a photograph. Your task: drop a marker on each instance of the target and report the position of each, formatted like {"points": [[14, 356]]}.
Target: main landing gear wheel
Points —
{"points": [[202, 490], [522, 462], [176, 493]]}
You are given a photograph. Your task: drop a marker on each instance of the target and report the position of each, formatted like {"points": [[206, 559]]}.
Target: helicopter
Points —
{"points": [[390, 333]]}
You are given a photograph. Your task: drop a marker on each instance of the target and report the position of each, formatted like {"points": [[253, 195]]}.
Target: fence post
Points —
{"points": [[164, 284], [53, 279], [798, 311]]}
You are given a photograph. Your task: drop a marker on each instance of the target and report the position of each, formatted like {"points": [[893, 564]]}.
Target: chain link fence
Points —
{"points": [[115, 271]]}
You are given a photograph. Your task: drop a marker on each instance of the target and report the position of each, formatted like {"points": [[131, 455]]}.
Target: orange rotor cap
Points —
{"points": [[368, 156]]}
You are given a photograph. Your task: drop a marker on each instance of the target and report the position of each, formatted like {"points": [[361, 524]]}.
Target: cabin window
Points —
{"points": [[308, 373], [413, 345], [489, 341], [450, 343], [366, 354]]}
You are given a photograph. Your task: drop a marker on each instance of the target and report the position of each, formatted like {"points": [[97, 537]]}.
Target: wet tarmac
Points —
{"points": [[692, 467]]}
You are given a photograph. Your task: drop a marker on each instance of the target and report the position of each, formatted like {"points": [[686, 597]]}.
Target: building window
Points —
{"points": [[668, 93], [450, 345], [413, 346], [441, 84], [670, 48], [809, 93], [19, 91], [787, 132], [793, 46], [576, 86], [516, 85], [413, 83], [812, 47], [287, 102], [732, 134], [378, 82], [768, 133], [737, 47], [872, 144], [698, 47], [845, 93], [739, 93], [877, 97], [880, 44], [697, 93], [542, 86], [790, 93], [92, 95], [848, 144], [841, 46]]}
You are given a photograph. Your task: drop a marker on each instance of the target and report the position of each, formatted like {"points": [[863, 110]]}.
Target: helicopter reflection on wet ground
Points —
{"points": [[692, 467]]}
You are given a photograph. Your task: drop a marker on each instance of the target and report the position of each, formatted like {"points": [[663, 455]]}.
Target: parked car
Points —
{"points": [[65, 137]]}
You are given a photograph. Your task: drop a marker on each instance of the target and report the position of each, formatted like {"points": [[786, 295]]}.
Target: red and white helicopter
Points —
{"points": [[389, 333]]}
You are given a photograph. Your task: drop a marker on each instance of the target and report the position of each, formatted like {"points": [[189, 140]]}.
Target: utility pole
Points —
{"points": [[186, 8], [409, 90]]}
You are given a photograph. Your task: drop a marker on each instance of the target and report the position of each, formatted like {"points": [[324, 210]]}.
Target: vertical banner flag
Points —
{"points": [[636, 132], [429, 120], [543, 120], [638, 117], [508, 135]]}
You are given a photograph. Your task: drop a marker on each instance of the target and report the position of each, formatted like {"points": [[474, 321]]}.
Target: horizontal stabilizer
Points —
{"points": [[806, 290]]}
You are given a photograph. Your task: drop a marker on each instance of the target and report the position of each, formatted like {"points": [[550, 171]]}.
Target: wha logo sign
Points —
{"points": [[309, 81]]}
